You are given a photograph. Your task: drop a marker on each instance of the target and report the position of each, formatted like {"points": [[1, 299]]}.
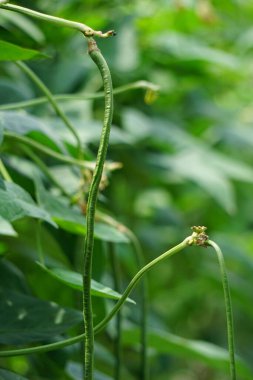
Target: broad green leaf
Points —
{"points": [[11, 52], [6, 228], [8, 375], [71, 219], [75, 281], [186, 48], [22, 123], [166, 343], [25, 319], [109, 233], [16, 203], [195, 166]]}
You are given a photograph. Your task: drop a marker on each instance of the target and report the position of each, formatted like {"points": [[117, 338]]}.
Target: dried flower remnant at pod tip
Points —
{"points": [[93, 33], [199, 236]]}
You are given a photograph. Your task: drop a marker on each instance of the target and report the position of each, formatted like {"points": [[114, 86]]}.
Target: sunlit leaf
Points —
{"points": [[6, 228], [11, 52], [16, 203], [21, 123]]}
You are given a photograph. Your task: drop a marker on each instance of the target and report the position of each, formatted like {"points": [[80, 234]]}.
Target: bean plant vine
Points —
{"points": [[197, 238]]}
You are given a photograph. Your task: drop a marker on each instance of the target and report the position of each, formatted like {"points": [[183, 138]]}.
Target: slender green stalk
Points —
{"points": [[228, 307], [144, 370], [40, 147], [44, 169], [99, 60], [38, 242], [65, 97], [136, 279], [118, 339], [116, 308], [53, 103], [4, 172], [86, 30]]}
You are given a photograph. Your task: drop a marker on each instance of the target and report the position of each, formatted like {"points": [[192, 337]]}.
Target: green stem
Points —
{"points": [[86, 30], [144, 370], [39, 245], [52, 101], [4, 172], [65, 97], [136, 278], [99, 60], [53, 346], [44, 169], [58, 156], [228, 307], [118, 339]]}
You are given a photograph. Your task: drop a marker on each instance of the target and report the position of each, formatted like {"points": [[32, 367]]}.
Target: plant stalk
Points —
{"points": [[52, 101], [118, 339], [99, 327], [86, 30], [99, 60], [65, 97], [228, 308]]}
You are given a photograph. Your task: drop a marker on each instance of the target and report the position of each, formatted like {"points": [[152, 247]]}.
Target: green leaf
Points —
{"points": [[195, 166], [16, 203], [11, 52], [8, 375], [21, 123], [71, 219], [166, 343], [25, 319], [109, 233], [186, 48], [24, 24], [6, 228], [11, 277], [75, 281]]}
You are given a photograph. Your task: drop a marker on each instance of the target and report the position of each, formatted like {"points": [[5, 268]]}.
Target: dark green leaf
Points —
{"points": [[8, 375], [11, 277], [25, 319]]}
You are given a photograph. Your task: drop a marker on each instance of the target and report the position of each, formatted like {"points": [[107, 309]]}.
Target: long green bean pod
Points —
{"points": [[228, 308], [99, 60]]}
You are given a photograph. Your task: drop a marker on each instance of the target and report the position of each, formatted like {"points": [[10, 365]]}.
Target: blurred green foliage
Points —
{"points": [[186, 154]]}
